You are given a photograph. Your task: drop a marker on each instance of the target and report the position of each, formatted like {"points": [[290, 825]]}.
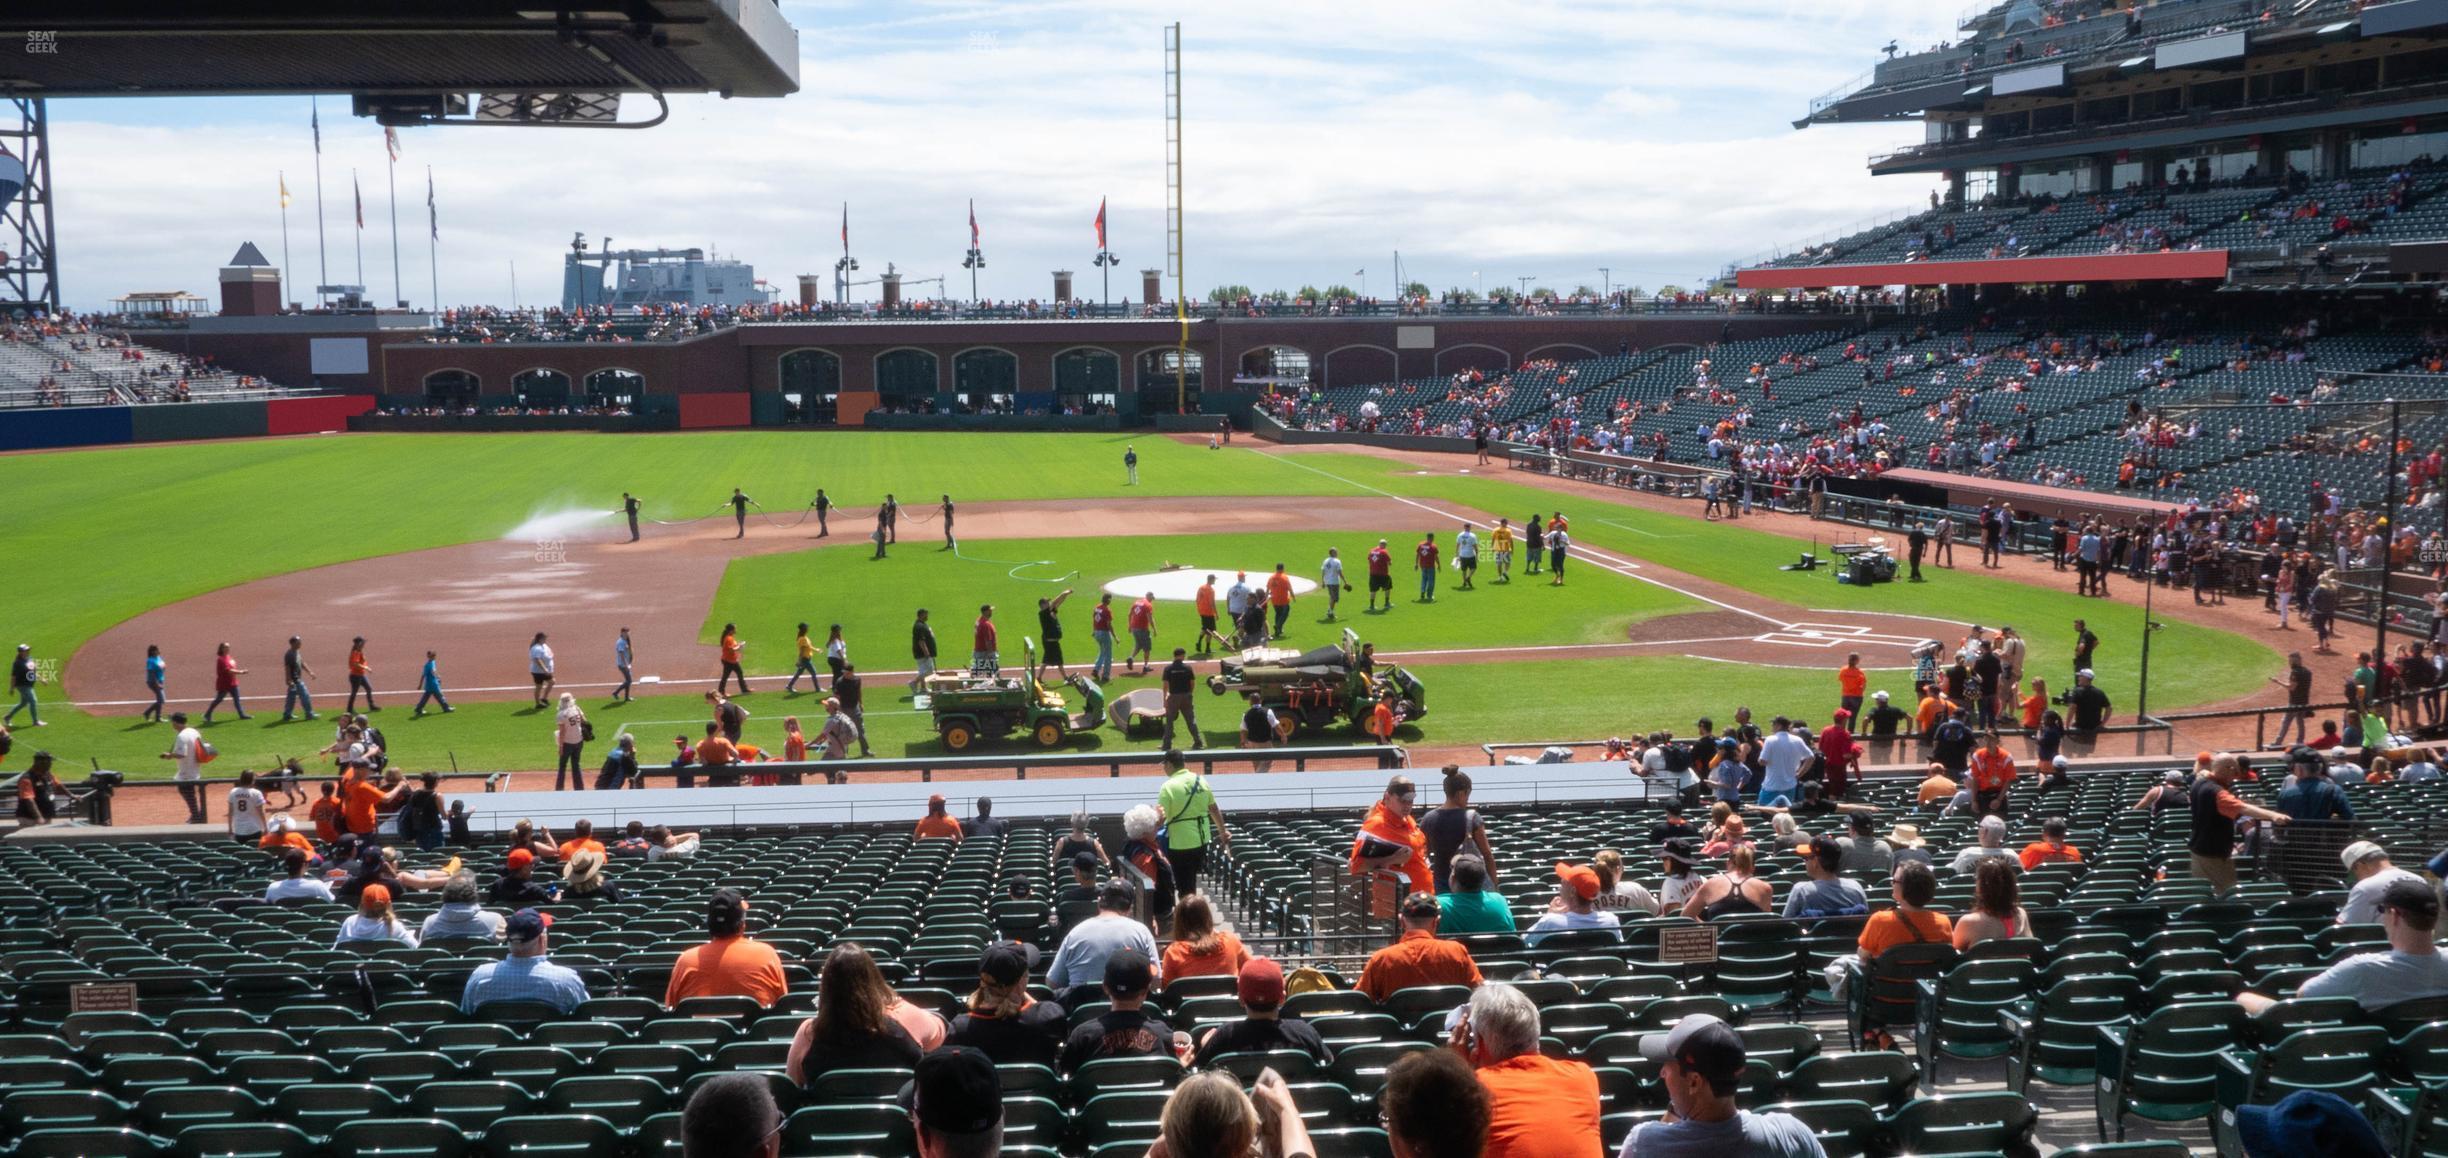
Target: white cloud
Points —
{"points": [[1649, 136]]}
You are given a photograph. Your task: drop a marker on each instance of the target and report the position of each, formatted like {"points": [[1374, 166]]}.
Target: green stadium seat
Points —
{"points": [[245, 1140], [551, 1136]]}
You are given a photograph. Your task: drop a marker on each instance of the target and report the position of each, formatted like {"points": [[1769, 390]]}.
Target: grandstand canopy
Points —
{"points": [[397, 48]]}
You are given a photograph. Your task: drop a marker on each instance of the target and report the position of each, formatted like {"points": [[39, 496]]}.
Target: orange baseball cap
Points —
{"points": [[1582, 878]]}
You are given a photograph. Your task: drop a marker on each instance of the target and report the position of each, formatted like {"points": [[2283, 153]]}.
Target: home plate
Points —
{"points": [[1181, 584]]}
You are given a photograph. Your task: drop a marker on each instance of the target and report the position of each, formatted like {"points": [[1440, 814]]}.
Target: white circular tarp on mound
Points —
{"points": [[1182, 586]]}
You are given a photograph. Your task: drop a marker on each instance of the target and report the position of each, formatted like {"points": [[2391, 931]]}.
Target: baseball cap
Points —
{"points": [[519, 858], [379, 894], [2084, 674], [936, 799], [1084, 861], [1582, 878], [2358, 852], [955, 1091], [726, 912], [1843, 714], [2411, 896], [1879, 696], [1700, 1043], [1007, 962], [2060, 763], [1261, 983], [526, 925], [1127, 971]]}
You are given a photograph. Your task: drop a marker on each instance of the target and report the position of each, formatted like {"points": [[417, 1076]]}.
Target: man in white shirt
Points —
{"points": [[1992, 846], [297, 885], [2367, 864], [1466, 555], [1782, 754], [1576, 888], [540, 667], [188, 749], [246, 810], [1330, 577], [2411, 970]]}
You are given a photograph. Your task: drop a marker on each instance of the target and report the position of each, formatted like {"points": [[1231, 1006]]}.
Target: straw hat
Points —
{"points": [[1906, 836], [585, 868]]}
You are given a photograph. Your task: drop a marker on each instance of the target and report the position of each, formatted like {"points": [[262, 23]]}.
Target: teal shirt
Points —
{"points": [[1485, 911]]}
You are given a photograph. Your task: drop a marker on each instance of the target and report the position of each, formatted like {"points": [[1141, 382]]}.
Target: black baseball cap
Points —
{"points": [[1007, 962], [1127, 972], [1701, 1044], [955, 1091], [726, 912], [1084, 861]]}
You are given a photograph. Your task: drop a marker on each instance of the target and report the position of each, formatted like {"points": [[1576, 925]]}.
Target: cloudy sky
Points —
{"points": [[1496, 140]]}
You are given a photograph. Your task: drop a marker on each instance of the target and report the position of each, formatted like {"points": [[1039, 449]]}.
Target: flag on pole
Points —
{"points": [[316, 120], [1100, 223], [845, 225], [973, 232], [284, 188], [359, 194], [433, 217], [391, 143]]}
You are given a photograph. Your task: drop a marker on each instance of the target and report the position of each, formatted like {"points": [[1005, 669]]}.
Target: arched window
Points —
{"points": [[984, 380], [541, 388], [452, 388], [811, 387], [906, 376], [1086, 379], [614, 388]]}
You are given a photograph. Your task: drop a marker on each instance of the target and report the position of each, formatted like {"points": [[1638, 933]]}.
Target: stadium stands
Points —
{"points": [[79, 361], [254, 1035]]}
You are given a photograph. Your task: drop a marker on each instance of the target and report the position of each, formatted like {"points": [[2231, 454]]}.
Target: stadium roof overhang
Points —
{"points": [[396, 49], [2195, 265], [2110, 139]]}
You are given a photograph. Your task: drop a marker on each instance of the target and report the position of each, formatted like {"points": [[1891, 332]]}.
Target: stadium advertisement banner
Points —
{"points": [[2180, 266]]}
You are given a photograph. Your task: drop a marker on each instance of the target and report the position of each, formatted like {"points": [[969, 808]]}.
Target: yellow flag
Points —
{"points": [[284, 188]]}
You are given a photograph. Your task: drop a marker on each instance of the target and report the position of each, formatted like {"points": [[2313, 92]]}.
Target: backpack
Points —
{"points": [[1678, 758], [205, 753]]}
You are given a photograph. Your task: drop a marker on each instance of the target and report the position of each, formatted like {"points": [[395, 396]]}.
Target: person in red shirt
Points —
{"points": [[1279, 597], [360, 675], [225, 683], [1389, 839], [1142, 622], [937, 822], [1101, 629], [1381, 575], [1838, 754], [1424, 560], [983, 650], [326, 813]]}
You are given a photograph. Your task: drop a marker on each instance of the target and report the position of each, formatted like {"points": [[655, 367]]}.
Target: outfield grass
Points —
{"points": [[769, 595], [99, 536]]}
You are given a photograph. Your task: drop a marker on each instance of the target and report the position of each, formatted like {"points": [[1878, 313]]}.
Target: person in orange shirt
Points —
{"points": [[281, 835], [1390, 839], [361, 801], [937, 822], [731, 648], [1205, 602], [1279, 597], [360, 675], [2035, 705], [326, 813], [1992, 773], [582, 839], [1933, 708], [794, 741], [1417, 957], [716, 751], [1851, 684], [1538, 1106], [1198, 948], [728, 965], [1912, 920], [1381, 721], [1937, 788], [2051, 848]]}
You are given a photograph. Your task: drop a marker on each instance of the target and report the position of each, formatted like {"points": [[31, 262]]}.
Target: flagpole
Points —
{"points": [[357, 192], [287, 287], [433, 241], [397, 294], [322, 253]]}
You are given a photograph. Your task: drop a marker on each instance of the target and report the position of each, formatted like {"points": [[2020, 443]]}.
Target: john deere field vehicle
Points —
{"points": [[969, 706], [1318, 687]]}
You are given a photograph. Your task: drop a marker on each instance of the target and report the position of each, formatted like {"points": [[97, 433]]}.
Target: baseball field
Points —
{"points": [[468, 545]]}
